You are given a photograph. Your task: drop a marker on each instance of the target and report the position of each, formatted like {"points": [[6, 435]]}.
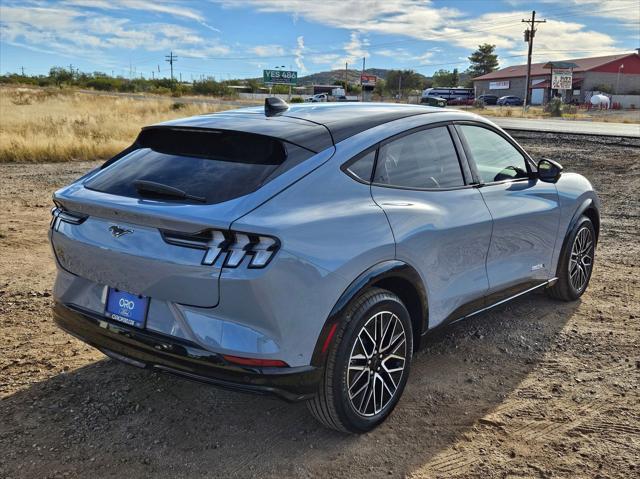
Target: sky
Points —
{"points": [[228, 39]]}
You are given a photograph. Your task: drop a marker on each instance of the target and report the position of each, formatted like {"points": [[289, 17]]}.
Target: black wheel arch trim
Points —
{"points": [[385, 270], [587, 204]]}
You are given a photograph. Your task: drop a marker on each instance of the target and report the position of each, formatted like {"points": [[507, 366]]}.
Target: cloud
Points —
{"points": [[427, 21], [83, 33], [355, 49], [158, 6], [299, 53], [268, 50], [404, 55]]}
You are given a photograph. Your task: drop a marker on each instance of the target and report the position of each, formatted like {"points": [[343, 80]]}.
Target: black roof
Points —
{"points": [[315, 126]]}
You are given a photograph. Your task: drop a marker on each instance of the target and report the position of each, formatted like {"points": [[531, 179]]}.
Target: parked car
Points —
{"points": [[308, 251], [457, 101], [510, 101], [318, 98], [488, 99], [435, 101], [454, 96]]}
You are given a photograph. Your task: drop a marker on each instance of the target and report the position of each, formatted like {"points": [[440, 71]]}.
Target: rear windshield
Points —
{"points": [[215, 165]]}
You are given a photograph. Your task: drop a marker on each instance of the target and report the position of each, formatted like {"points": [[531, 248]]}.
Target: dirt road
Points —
{"points": [[535, 388]]}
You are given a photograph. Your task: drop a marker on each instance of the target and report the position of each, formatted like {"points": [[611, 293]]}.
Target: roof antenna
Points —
{"points": [[274, 105]]}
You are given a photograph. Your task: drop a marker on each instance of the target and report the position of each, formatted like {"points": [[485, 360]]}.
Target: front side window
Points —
{"points": [[496, 159], [425, 159]]}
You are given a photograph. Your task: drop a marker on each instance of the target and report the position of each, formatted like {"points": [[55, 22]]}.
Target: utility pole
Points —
{"points": [[400, 86], [170, 59], [361, 86], [529, 33], [346, 67], [22, 68]]}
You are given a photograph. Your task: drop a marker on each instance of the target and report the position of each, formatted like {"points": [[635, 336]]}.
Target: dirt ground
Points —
{"points": [[534, 388]]}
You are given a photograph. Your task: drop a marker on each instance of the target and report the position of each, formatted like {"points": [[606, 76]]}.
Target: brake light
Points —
{"points": [[60, 214], [231, 246], [273, 363]]}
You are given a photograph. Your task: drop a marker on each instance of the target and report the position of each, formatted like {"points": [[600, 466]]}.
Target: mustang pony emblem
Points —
{"points": [[116, 231]]}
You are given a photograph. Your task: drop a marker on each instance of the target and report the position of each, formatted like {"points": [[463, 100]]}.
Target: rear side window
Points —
{"points": [[215, 165], [362, 168], [425, 159]]}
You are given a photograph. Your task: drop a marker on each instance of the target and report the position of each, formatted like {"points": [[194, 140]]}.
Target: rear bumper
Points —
{"points": [[163, 353]]}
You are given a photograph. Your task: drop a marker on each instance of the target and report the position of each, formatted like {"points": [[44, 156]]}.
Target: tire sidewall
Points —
{"points": [[343, 405], [564, 273]]}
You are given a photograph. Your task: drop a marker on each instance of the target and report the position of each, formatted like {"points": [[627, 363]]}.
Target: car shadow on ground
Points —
{"points": [[108, 419]]}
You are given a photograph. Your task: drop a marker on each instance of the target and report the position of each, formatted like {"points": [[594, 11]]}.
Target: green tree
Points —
{"points": [[483, 60], [455, 77], [445, 78], [59, 75], [404, 80]]}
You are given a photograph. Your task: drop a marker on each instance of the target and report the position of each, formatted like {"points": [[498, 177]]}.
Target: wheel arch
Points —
{"points": [[396, 276], [588, 208]]}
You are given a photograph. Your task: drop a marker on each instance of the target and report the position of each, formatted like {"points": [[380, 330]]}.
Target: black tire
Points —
{"points": [[565, 288], [333, 406]]}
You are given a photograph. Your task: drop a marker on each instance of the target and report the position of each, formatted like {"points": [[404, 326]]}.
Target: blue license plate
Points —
{"points": [[127, 308]]}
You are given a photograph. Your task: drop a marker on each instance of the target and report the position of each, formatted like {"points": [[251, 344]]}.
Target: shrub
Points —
{"points": [[479, 104], [296, 99], [555, 107]]}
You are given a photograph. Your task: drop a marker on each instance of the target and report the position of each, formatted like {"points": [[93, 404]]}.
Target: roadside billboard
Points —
{"points": [[561, 78], [279, 77], [368, 80]]}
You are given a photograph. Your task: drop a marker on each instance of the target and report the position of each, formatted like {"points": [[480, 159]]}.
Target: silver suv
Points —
{"points": [[307, 251]]}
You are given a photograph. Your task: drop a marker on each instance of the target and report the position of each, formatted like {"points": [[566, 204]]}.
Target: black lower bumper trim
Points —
{"points": [[150, 350]]}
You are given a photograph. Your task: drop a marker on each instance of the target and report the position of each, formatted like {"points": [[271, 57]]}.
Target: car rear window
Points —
{"points": [[215, 165]]}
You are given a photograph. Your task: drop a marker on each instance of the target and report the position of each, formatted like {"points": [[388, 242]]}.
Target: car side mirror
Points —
{"points": [[549, 170]]}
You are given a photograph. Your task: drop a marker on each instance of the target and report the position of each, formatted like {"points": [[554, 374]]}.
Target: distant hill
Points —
{"points": [[332, 77]]}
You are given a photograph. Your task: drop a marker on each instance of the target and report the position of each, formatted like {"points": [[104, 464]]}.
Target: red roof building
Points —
{"points": [[620, 74]]}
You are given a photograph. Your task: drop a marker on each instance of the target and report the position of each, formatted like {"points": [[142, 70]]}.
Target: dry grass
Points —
{"points": [[537, 112], [47, 125]]}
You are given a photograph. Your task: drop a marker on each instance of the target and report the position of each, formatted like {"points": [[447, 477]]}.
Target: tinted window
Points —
{"points": [[495, 158], [425, 159], [217, 166], [363, 167]]}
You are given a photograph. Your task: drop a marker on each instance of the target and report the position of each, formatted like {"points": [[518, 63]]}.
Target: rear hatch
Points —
{"points": [[112, 228]]}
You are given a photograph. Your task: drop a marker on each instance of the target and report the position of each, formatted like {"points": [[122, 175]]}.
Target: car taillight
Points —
{"points": [[60, 214], [231, 246]]}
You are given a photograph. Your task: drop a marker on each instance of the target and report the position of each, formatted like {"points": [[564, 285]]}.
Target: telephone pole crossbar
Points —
{"points": [[170, 59], [529, 33]]}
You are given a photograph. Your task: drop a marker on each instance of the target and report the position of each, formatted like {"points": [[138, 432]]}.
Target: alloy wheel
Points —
{"points": [[581, 260], [377, 363]]}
